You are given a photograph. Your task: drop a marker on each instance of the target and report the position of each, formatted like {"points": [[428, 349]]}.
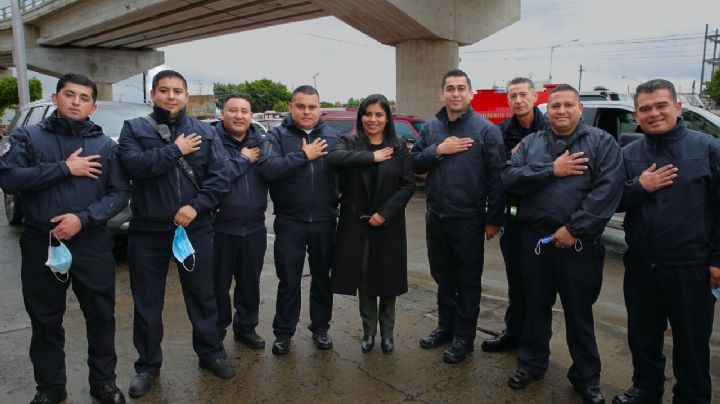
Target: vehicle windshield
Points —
{"points": [[112, 116], [419, 125], [345, 126]]}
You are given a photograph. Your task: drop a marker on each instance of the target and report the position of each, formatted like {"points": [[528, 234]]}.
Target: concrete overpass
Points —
{"points": [[111, 40]]}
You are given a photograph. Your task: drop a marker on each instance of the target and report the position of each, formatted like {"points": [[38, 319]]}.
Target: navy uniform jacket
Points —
{"points": [[301, 190], [513, 132], [462, 184], [160, 186], [679, 224], [33, 165], [583, 203], [242, 210]]}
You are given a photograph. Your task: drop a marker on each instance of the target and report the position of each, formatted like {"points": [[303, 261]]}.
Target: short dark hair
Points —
{"points": [[565, 87], [520, 80], [389, 136], [654, 85], [236, 95], [79, 79], [307, 90], [455, 73], [163, 74]]}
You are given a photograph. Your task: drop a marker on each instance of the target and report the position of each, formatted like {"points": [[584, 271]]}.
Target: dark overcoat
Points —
{"points": [[386, 244]]}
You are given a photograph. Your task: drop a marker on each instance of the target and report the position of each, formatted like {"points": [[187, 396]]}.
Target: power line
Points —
{"points": [[663, 38]]}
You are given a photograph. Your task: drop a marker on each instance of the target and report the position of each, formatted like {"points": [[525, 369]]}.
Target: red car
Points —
{"points": [[406, 126]]}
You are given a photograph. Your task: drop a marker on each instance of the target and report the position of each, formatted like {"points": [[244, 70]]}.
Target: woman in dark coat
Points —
{"points": [[376, 183]]}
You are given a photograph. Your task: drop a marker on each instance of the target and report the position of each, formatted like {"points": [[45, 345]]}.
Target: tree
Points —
{"points": [[263, 94], [351, 102], [9, 92], [713, 87], [281, 106]]}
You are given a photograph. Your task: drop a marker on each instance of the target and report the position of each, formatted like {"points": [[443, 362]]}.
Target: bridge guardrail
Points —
{"points": [[25, 6]]}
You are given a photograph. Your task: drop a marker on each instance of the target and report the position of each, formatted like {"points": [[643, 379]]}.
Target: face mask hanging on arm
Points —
{"points": [[544, 240], [182, 248], [547, 240], [59, 258]]}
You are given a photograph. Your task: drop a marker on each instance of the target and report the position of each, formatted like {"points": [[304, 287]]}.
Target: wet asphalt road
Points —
{"points": [[343, 374]]}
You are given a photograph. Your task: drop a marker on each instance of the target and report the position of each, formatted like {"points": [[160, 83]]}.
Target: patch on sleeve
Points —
{"points": [[5, 148]]}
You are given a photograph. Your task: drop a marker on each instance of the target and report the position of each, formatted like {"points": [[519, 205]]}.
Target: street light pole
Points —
{"points": [[552, 49], [314, 81]]}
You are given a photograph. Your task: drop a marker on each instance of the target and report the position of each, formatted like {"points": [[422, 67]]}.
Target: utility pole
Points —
{"points": [[19, 53], [580, 78], [714, 61]]}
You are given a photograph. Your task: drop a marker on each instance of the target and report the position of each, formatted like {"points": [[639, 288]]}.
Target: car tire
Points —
{"points": [[13, 210]]}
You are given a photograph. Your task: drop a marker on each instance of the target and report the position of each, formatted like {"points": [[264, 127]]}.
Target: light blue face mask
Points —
{"points": [[182, 248], [59, 259]]}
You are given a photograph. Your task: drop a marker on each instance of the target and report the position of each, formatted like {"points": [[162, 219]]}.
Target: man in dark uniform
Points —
{"points": [[304, 191], [179, 173], [526, 119], [569, 178], [240, 233], [672, 229], [462, 153], [71, 182]]}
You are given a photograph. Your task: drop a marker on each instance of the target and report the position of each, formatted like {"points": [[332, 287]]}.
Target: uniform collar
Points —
{"points": [[443, 116], [673, 135], [162, 116], [290, 124], [251, 136], [71, 127]]}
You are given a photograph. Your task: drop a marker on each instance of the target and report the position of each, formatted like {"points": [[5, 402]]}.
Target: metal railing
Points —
{"points": [[25, 6]]}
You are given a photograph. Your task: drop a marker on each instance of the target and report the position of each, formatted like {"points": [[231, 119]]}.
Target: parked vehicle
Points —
{"points": [[417, 123], [270, 123], [109, 115], [404, 125], [616, 118], [493, 103], [599, 94]]}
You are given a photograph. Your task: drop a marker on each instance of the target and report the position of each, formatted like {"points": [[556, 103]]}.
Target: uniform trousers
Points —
{"points": [[577, 277], [680, 294], [149, 254], [456, 248], [92, 277], [510, 242], [370, 311], [240, 258], [292, 240]]}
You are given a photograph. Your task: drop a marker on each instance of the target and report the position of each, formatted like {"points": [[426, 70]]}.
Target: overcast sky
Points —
{"points": [[620, 43]]}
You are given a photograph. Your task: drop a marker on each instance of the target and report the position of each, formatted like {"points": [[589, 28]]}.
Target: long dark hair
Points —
{"points": [[389, 136]]}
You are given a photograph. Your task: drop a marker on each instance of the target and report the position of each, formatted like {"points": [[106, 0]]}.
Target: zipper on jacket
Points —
{"points": [[312, 188], [177, 183], [247, 188]]}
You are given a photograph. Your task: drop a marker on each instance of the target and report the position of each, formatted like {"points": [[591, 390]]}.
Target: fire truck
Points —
{"points": [[493, 103]]}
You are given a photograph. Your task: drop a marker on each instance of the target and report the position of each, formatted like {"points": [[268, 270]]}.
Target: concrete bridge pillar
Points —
{"points": [[104, 91], [103, 66], [427, 35], [419, 66]]}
